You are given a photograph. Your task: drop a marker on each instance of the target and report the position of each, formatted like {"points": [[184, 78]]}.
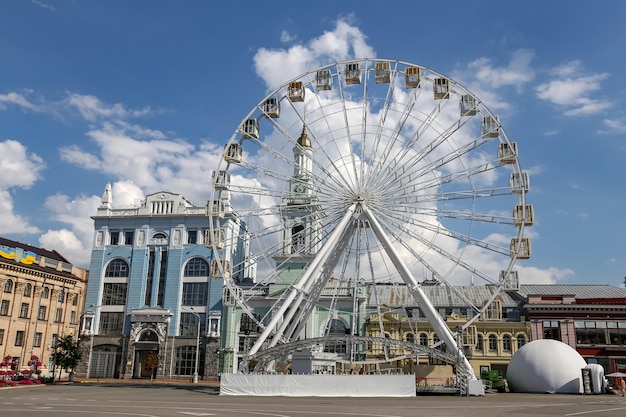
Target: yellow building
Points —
{"points": [[489, 341], [41, 299]]}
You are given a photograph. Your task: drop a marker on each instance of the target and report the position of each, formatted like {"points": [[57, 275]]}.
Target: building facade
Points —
{"points": [[489, 341], [41, 299], [589, 318], [154, 306]]}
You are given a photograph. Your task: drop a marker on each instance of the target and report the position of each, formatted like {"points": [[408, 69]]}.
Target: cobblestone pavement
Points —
{"points": [[131, 398]]}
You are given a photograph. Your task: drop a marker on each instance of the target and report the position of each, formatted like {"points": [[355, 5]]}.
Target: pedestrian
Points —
{"points": [[622, 386], [362, 371]]}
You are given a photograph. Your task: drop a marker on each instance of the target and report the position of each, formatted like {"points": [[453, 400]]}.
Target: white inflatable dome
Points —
{"points": [[546, 366]]}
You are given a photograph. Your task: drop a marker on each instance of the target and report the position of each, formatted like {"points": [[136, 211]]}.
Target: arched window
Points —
{"points": [[506, 343], [493, 342], [159, 239], [336, 328], [410, 337], [8, 286], [479, 342], [297, 239], [423, 339], [521, 340], [149, 336], [196, 267], [28, 290], [45, 293], [117, 268]]}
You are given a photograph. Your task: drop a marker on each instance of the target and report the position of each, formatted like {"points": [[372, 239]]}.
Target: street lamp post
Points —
{"points": [[195, 372]]}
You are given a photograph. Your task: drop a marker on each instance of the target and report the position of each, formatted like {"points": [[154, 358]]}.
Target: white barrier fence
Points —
{"points": [[318, 385]]}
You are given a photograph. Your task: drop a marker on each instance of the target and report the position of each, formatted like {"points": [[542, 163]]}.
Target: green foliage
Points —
{"points": [[67, 353]]}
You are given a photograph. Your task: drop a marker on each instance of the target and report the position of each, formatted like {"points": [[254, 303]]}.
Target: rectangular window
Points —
{"points": [[192, 237], [73, 317], [115, 237], [593, 332], [24, 310], [4, 308], [114, 294], [128, 237], [214, 327], [186, 360], [195, 293], [1, 336], [58, 317], [37, 339], [551, 330], [42, 313], [162, 275], [150, 278], [55, 340], [189, 324], [111, 324], [19, 338]]}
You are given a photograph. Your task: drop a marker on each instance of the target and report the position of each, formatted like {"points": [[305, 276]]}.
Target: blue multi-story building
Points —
{"points": [[155, 294]]}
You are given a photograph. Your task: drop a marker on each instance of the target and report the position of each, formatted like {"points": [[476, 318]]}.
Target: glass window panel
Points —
{"points": [[195, 293], [111, 324], [114, 294], [189, 324], [117, 268], [197, 267]]}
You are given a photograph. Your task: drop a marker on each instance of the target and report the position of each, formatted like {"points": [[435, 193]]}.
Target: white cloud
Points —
{"points": [[345, 41], [11, 222], [516, 74], [286, 37], [74, 242], [18, 167], [126, 194], [149, 165], [44, 5], [67, 244], [487, 81], [614, 126], [92, 108], [550, 275], [570, 89], [17, 100]]}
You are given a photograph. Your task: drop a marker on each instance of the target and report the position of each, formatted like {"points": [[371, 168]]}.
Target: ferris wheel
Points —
{"points": [[367, 173]]}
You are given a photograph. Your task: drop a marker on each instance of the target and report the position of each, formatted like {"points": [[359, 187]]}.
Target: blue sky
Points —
{"points": [[144, 94]]}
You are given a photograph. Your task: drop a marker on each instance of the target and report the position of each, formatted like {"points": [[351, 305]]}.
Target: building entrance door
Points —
{"points": [[149, 362]]}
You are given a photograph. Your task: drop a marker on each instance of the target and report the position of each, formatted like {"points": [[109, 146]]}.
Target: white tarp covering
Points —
{"points": [[318, 385]]}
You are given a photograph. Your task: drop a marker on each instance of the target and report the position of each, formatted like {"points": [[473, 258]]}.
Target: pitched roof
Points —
{"points": [[579, 291], [39, 251], [440, 296]]}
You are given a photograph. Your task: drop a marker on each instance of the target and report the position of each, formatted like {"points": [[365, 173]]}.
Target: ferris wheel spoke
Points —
{"points": [[489, 218], [457, 261], [347, 125], [401, 221]]}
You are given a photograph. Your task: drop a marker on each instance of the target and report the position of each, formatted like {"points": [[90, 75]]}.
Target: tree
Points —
{"points": [[67, 353]]}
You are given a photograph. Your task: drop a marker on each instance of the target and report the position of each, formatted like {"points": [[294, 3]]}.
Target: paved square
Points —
{"points": [[179, 400]]}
